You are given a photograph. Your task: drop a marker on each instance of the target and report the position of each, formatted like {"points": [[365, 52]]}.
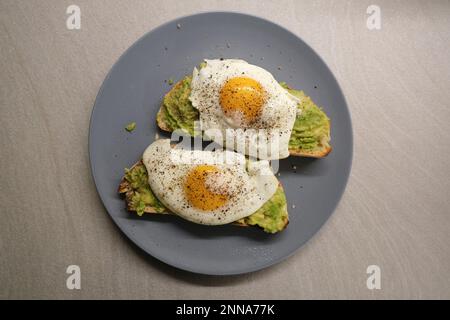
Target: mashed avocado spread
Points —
{"points": [[141, 195], [177, 109], [310, 131], [272, 216], [312, 127]]}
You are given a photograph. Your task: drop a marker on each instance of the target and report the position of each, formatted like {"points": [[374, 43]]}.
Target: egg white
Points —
{"points": [[266, 138], [168, 168]]}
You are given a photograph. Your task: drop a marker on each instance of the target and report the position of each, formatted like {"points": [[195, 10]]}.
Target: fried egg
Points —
{"points": [[243, 107], [208, 187]]}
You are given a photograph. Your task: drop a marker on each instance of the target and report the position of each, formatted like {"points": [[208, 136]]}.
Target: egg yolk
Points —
{"points": [[242, 95], [198, 192]]}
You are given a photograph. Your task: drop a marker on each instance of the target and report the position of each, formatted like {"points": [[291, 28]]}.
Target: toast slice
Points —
{"points": [[129, 190], [176, 105]]}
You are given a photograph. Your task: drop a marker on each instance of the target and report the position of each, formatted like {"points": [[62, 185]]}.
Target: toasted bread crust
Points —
{"points": [[311, 154], [320, 153], [161, 121]]}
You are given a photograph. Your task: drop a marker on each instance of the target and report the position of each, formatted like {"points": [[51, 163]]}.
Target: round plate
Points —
{"points": [[133, 91]]}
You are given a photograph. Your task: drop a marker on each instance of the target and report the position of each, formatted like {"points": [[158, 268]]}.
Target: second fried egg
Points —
{"points": [[208, 187], [244, 102]]}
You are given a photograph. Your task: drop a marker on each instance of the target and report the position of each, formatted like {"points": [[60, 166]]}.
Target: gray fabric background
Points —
{"points": [[394, 213]]}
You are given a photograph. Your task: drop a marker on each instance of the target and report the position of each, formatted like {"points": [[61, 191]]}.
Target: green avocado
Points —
{"points": [[311, 129], [142, 196], [177, 108], [131, 126], [272, 216]]}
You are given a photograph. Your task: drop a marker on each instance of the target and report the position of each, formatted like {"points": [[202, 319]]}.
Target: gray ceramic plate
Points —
{"points": [[133, 91]]}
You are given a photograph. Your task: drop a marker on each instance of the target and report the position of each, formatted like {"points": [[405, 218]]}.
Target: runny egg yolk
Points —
{"points": [[199, 193], [242, 96]]}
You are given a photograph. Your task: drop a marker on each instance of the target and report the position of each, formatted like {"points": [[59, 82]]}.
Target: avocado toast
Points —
{"points": [[310, 135], [272, 217]]}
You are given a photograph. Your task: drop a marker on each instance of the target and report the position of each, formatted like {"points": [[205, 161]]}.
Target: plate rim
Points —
{"points": [[131, 236]]}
